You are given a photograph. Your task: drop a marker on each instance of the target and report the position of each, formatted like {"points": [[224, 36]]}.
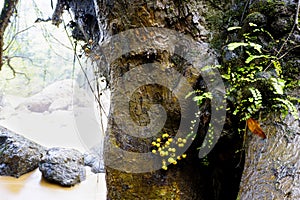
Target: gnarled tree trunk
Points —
{"points": [[95, 22], [184, 180]]}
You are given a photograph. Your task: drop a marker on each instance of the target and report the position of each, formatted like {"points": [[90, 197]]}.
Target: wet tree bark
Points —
{"points": [[185, 180], [97, 20], [272, 165]]}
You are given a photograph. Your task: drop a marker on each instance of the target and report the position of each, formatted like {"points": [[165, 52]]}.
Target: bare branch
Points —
{"points": [[14, 72], [38, 20], [295, 26], [97, 97], [14, 37], [297, 16]]}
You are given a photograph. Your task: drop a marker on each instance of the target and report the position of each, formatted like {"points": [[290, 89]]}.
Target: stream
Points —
{"points": [[51, 129]]}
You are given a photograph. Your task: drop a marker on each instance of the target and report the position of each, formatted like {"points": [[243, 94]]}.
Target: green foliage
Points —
{"points": [[254, 79], [257, 82], [234, 45], [200, 96]]}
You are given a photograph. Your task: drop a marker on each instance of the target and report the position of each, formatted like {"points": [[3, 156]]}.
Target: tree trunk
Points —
{"points": [[9, 6], [272, 165], [126, 176], [124, 61]]}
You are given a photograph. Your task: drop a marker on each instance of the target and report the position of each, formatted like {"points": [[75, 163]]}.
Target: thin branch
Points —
{"points": [[288, 51], [244, 11], [48, 35], [14, 72], [84, 73], [295, 26], [38, 20], [297, 16], [27, 58], [15, 35], [58, 41], [215, 5], [292, 30]]}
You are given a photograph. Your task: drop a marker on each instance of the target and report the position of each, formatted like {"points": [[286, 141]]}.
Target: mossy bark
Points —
{"points": [[99, 19], [185, 180]]}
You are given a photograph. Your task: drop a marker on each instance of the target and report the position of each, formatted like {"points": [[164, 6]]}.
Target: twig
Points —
{"points": [[84, 72], [288, 51], [295, 26], [243, 145], [23, 57], [244, 11], [15, 35], [38, 20], [8, 59], [297, 16], [292, 30], [215, 5]]}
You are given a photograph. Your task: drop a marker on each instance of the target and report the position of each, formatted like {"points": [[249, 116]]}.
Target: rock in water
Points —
{"points": [[63, 166], [18, 155], [56, 96], [95, 162]]}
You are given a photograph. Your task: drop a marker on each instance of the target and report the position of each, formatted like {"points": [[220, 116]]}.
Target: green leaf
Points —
{"points": [[232, 46], [226, 76], [255, 46], [189, 94], [289, 107], [278, 85], [252, 24], [277, 66], [200, 98], [233, 28], [253, 57]]}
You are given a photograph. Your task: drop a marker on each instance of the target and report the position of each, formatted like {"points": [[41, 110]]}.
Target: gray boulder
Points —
{"points": [[18, 155], [63, 166], [60, 95], [94, 162]]}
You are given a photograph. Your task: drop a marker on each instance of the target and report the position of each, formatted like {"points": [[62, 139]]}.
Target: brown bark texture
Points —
{"points": [[6, 13], [97, 20], [272, 166]]}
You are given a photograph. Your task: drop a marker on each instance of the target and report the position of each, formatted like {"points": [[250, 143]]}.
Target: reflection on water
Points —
{"points": [[32, 187], [51, 130]]}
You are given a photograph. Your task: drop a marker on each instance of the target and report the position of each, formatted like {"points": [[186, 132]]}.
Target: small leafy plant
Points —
{"points": [[256, 83]]}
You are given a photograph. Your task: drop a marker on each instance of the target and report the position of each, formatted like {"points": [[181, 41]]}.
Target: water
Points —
{"points": [[55, 129]]}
